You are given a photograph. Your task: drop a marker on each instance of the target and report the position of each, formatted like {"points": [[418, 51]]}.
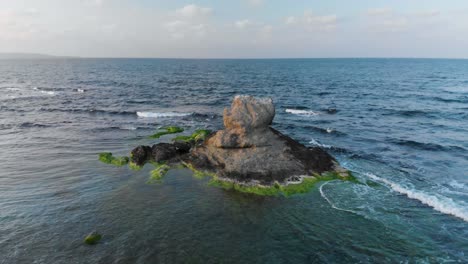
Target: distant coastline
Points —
{"points": [[27, 56]]}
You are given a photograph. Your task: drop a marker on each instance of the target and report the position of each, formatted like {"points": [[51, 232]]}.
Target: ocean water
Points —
{"points": [[401, 125]]}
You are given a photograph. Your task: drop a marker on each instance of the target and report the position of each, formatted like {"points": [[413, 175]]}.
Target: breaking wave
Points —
{"points": [[316, 143], [444, 205], [301, 112], [161, 114]]}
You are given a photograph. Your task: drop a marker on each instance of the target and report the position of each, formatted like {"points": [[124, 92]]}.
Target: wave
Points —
{"points": [[316, 143], [45, 91], [87, 111], [29, 125], [444, 205], [301, 112], [297, 107], [425, 146], [78, 90], [408, 113], [463, 99], [161, 114]]}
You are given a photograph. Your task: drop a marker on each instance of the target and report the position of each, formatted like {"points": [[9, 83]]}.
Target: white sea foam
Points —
{"points": [[322, 193], [80, 90], [442, 204], [128, 128], [316, 143], [301, 112], [329, 130], [161, 114], [48, 92]]}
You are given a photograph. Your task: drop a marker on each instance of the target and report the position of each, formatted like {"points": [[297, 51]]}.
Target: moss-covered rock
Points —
{"points": [[93, 238], [304, 185], [196, 136], [167, 130], [108, 158], [158, 172]]}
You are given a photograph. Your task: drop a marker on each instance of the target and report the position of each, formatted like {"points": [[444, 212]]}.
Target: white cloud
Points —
{"points": [[242, 24], [189, 21], [291, 20], [428, 14], [379, 11], [313, 22], [256, 3], [395, 24], [97, 3], [194, 11]]}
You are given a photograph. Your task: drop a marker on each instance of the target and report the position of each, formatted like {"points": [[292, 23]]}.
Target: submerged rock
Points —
{"points": [[93, 238]]}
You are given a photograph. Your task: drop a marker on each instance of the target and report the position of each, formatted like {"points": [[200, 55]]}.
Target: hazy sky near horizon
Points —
{"points": [[236, 29]]}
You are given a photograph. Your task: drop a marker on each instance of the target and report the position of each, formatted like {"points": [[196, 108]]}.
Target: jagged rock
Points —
{"points": [[140, 155]]}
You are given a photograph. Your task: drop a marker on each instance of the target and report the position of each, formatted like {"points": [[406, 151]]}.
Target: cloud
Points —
{"points": [[428, 14], [242, 24], [189, 21], [291, 20], [179, 29], [387, 20], [313, 22], [194, 11], [97, 3], [256, 3], [379, 11]]}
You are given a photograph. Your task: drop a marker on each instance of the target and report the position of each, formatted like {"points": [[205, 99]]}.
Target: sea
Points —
{"points": [[400, 125]]}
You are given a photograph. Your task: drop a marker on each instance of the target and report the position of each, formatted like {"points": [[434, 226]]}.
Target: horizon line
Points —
{"points": [[48, 56]]}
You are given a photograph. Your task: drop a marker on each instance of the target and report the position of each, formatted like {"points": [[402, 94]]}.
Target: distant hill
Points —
{"points": [[26, 56]]}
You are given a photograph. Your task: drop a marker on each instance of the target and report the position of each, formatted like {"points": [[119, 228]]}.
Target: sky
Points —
{"points": [[236, 28]]}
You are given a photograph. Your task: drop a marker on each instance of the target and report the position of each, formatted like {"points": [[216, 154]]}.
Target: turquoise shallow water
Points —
{"points": [[399, 125]]}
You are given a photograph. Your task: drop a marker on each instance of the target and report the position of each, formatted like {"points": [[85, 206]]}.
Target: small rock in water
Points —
{"points": [[93, 238], [140, 155]]}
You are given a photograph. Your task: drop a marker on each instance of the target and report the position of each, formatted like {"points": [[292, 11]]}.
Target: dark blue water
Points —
{"points": [[400, 124]]}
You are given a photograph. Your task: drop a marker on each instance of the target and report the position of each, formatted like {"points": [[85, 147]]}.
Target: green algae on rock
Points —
{"points": [[158, 172], [108, 158], [198, 135], [303, 185], [167, 130], [93, 238]]}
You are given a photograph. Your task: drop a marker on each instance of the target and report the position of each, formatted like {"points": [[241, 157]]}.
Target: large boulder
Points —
{"points": [[248, 113], [245, 123]]}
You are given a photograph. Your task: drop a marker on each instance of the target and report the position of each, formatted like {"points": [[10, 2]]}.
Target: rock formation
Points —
{"points": [[247, 151]]}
